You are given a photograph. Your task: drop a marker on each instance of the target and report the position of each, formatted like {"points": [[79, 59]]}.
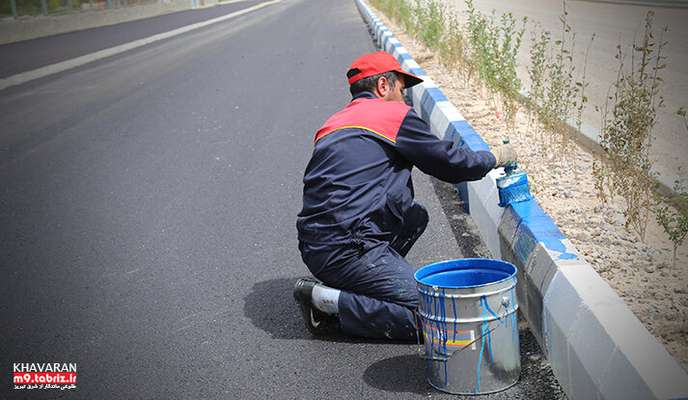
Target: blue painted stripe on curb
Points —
{"points": [[389, 46], [381, 35], [528, 210], [404, 57], [385, 43], [417, 71], [436, 94], [536, 225], [470, 137], [429, 100], [476, 143], [426, 105], [524, 243], [400, 57], [464, 129]]}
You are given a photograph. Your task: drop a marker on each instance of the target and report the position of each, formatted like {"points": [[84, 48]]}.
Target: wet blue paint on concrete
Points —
{"points": [[468, 135], [535, 226], [417, 71], [513, 187]]}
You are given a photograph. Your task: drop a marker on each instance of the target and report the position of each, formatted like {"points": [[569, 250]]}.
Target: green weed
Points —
{"points": [[454, 46], [401, 11], [560, 86], [557, 92], [508, 85], [626, 132], [431, 23], [581, 85], [674, 221], [404, 14], [494, 47], [537, 72]]}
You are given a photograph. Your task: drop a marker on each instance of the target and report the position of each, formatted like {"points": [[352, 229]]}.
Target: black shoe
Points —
{"points": [[317, 322]]}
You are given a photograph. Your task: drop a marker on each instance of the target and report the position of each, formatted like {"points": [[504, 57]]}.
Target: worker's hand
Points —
{"points": [[505, 154]]}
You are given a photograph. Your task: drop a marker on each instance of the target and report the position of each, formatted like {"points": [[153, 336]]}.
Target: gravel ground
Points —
{"points": [[643, 274]]}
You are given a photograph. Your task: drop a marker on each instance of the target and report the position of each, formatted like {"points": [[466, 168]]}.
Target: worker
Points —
{"points": [[359, 217]]}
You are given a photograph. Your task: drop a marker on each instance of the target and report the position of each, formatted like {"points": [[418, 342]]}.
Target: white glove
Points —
{"points": [[505, 154]]}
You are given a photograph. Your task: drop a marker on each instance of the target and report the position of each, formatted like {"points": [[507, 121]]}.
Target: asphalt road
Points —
{"points": [[30, 54], [147, 220]]}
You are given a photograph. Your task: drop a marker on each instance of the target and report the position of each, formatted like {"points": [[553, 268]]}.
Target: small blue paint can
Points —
{"points": [[468, 313]]}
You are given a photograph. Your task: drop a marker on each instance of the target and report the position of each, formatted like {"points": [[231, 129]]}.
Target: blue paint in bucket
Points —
{"points": [[465, 273]]}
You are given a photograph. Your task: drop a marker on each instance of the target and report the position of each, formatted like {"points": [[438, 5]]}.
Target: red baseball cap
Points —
{"points": [[377, 63]]}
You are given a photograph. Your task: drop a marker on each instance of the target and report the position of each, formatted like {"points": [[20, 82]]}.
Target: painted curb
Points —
{"points": [[597, 347]]}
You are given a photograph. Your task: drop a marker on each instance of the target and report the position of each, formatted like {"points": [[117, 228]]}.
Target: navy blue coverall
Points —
{"points": [[359, 218]]}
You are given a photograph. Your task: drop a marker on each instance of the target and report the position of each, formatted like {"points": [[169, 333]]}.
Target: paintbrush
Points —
{"points": [[512, 187]]}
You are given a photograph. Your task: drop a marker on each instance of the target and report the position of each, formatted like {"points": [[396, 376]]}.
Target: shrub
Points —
{"points": [[626, 133], [674, 221], [494, 49], [431, 22]]}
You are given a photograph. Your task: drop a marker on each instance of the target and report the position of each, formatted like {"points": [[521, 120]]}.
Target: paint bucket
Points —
{"points": [[468, 316]]}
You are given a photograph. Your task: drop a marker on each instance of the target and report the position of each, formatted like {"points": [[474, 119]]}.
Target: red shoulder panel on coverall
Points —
{"points": [[378, 116]]}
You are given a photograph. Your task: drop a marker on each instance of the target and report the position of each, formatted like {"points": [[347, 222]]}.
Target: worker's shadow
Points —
{"points": [[400, 374], [271, 307]]}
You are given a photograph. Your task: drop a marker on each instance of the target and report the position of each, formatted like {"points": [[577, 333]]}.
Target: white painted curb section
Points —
{"points": [[23, 77]]}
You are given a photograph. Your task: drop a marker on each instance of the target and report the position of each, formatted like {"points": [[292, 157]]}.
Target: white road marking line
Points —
{"points": [[85, 59]]}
